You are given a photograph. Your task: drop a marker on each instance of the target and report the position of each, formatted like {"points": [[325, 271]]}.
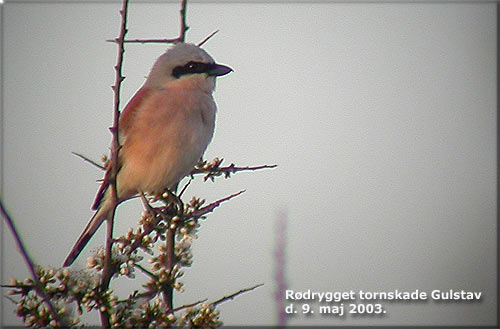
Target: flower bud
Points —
{"points": [[91, 262]]}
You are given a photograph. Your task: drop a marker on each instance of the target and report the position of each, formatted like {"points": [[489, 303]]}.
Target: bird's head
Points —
{"points": [[188, 66]]}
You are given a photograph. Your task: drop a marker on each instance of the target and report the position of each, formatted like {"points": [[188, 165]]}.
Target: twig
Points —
{"points": [[146, 204], [84, 158], [200, 212], [38, 286], [188, 305], [180, 38], [9, 286], [174, 40], [205, 210], [171, 40], [208, 38], [146, 271], [107, 271], [184, 27], [231, 169], [226, 298], [170, 253], [184, 188], [115, 147]]}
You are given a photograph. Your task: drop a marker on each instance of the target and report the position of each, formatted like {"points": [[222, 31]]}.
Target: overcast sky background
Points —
{"points": [[381, 117]]}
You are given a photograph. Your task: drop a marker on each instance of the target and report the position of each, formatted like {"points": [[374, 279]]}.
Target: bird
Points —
{"points": [[163, 131]]}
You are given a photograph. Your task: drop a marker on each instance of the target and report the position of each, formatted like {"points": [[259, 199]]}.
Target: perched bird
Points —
{"points": [[163, 131]]}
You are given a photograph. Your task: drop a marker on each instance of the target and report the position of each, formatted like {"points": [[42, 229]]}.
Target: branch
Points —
{"points": [[180, 38], [115, 147], [211, 207], [38, 286], [188, 305], [168, 292], [174, 40], [184, 188], [213, 169], [184, 27], [200, 212], [151, 275], [226, 298]]}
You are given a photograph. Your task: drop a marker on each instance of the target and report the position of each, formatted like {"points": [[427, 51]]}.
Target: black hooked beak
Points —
{"points": [[218, 70]]}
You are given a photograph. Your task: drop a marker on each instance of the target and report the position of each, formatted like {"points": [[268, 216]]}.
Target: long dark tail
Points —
{"points": [[95, 222]]}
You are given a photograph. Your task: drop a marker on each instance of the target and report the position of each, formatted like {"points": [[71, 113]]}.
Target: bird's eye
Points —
{"points": [[196, 67], [190, 68]]}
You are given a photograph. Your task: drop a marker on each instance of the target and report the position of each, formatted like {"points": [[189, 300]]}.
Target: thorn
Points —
{"points": [[208, 38]]}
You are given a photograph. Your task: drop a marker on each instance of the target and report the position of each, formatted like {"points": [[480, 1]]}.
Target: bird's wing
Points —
{"points": [[134, 105], [126, 118]]}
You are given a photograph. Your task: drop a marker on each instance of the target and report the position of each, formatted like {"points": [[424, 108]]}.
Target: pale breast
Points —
{"points": [[169, 135]]}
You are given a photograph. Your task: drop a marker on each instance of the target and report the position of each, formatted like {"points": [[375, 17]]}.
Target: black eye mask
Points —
{"points": [[191, 68]]}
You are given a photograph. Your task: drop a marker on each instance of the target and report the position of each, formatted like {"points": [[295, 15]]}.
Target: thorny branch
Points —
{"points": [[188, 305], [197, 214], [184, 27], [115, 147], [232, 296], [100, 297], [180, 38], [211, 207], [171, 40], [232, 169], [168, 292], [210, 169], [38, 286], [214, 169], [219, 301]]}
